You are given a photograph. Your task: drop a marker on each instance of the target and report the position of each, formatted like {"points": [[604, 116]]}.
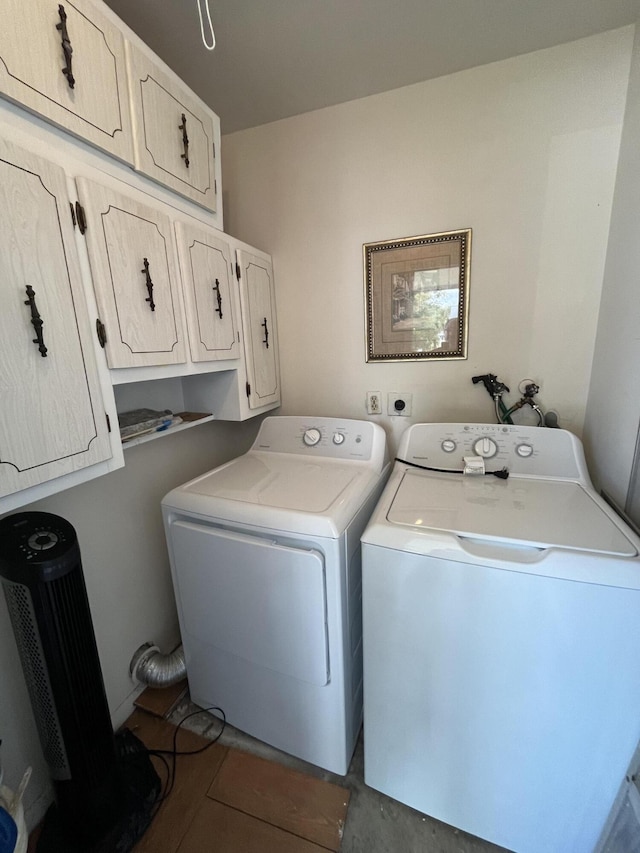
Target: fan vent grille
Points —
{"points": [[37, 677]]}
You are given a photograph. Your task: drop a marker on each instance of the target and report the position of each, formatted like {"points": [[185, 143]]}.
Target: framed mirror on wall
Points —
{"points": [[417, 297]]}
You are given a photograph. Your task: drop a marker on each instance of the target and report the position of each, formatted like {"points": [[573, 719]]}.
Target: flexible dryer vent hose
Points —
{"points": [[149, 666]]}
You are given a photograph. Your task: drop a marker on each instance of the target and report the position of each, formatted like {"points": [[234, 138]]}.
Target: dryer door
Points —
{"points": [[253, 598]]}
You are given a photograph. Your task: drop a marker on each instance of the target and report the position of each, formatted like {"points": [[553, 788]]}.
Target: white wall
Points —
{"points": [[613, 411], [119, 525], [523, 151]]}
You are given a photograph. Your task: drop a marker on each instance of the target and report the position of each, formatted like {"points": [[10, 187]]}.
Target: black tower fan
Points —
{"points": [[46, 595]]}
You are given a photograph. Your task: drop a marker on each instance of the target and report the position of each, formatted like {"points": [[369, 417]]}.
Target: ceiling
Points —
{"points": [[278, 58]]}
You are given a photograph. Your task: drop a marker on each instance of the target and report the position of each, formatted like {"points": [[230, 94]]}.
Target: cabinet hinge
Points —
{"points": [[73, 214], [108, 421], [248, 390], [80, 216], [238, 271], [101, 332]]}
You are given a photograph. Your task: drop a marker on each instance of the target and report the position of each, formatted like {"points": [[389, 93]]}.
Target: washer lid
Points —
{"points": [[542, 513]]}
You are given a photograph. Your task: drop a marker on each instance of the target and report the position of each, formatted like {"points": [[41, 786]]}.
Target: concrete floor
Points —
{"points": [[375, 823]]}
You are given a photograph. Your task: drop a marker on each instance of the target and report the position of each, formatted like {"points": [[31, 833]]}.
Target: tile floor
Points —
{"points": [[375, 823]]}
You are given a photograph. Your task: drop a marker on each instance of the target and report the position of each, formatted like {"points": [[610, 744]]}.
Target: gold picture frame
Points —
{"points": [[417, 297]]}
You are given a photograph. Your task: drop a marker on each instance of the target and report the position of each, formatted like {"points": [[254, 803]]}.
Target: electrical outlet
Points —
{"points": [[374, 403], [399, 404]]}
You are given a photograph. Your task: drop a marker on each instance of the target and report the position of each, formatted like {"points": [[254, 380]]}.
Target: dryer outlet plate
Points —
{"points": [[399, 404]]}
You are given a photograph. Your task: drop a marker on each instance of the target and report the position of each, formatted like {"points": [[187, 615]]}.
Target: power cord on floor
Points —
{"points": [[174, 752], [168, 756]]}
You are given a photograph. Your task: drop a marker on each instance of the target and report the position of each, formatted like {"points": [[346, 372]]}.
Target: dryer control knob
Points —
{"points": [[312, 437], [338, 438], [485, 447]]}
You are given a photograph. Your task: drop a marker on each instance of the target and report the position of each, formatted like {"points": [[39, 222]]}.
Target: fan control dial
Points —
{"points": [[42, 540]]}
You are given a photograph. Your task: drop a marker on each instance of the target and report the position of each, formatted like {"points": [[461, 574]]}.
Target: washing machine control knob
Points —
{"points": [[311, 437], [524, 450], [338, 438], [448, 445], [485, 447]]}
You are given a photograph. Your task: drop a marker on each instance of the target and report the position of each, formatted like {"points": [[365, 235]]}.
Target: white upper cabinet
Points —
{"points": [[65, 61], [206, 265], [132, 257], [52, 419], [257, 296], [174, 131]]}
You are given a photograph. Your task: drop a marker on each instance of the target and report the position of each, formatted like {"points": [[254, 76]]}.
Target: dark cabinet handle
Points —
{"points": [[266, 333], [66, 46], [81, 218], [149, 284], [185, 140], [36, 320], [216, 288]]}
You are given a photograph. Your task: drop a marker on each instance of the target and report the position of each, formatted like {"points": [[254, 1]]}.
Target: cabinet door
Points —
{"points": [[90, 100], [134, 274], [257, 296], [207, 273], [173, 132], [52, 420]]}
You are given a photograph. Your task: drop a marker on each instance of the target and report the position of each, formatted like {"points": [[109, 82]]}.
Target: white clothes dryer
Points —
{"points": [[501, 637], [265, 560]]}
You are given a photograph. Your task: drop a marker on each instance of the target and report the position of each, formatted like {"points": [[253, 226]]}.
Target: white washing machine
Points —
{"points": [[501, 638], [265, 559]]}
